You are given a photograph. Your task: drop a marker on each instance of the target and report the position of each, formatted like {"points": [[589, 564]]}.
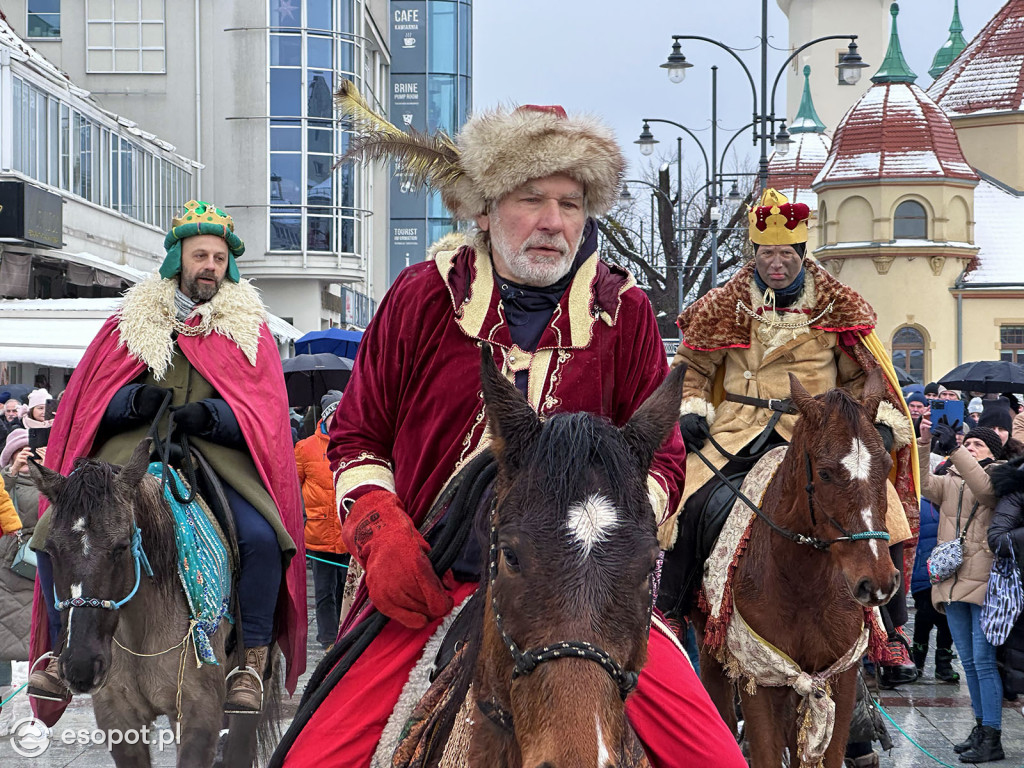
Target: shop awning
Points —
{"points": [[55, 332]]}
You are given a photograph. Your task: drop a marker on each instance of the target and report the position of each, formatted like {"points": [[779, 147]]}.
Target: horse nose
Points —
{"points": [[83, 675], [864, 592]]}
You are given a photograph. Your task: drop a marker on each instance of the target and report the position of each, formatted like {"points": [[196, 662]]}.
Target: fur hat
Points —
{"points": [[996, 413], [989, 438], [497, 152], [329, 403], [16, 440]]}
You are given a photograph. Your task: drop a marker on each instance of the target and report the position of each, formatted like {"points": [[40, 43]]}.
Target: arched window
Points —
{"points": [[911, 221], [908, 352]]}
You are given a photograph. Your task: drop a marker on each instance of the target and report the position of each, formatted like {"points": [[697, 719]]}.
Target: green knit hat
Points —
{"points": [[200, 218]]}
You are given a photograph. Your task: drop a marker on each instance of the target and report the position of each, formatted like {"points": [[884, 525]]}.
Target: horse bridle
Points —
{"points": [[527, 661], [800, 538], [141, 563]]}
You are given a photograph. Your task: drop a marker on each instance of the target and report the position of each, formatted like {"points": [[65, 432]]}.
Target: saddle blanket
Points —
{"points": [[203, 565]]}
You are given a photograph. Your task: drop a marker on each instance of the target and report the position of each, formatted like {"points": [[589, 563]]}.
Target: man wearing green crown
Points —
{"points": [[190, 349]]}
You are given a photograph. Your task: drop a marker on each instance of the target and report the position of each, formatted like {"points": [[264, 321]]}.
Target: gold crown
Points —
{"points": [[776, 221], [200, 212]]}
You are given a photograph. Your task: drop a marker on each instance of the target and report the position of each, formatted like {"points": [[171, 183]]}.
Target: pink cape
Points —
{"points": [[256, 395]]}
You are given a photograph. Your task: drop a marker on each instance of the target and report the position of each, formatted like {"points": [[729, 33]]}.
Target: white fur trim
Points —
{"points": [[145, 320], [415, 687], [700, 406], [902, 431]]}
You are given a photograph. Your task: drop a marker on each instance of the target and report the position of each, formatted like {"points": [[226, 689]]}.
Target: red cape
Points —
{"points": [[256, 395]]}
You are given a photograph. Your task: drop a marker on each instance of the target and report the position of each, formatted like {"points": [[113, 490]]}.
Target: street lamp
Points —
{"points": [[646, 141], [782, 140], [764, 115], [676, 64], [850, 65]]}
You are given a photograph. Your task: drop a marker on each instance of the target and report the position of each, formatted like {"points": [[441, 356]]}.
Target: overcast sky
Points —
{"points": [[602, 56]]}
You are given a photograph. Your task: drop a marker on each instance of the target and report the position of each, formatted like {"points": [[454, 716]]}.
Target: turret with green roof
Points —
{"points": [[952, 47], [894, 67], [807, 120]]}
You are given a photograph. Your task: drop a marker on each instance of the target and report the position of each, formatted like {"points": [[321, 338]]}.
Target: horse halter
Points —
{"points": [[141, 562], [527, 661]]}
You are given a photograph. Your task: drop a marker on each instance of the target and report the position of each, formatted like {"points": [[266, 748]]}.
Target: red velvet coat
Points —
{"points": [[413, 413]]}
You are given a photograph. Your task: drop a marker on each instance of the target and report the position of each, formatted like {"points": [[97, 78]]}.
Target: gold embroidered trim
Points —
{"points": [[364, 456], [517, 359], [537, 380], [582, 312], [658, 496], [366, 474]]}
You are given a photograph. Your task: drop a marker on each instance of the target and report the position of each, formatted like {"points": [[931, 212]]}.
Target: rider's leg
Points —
{"points": [[44, 570], [260, 570], [345, 730], [673, 715], [259, 581], [45, 682]]}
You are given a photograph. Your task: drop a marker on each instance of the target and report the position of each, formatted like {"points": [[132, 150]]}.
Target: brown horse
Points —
{"points": [[572, 554], [806, 595], [125, 645]]}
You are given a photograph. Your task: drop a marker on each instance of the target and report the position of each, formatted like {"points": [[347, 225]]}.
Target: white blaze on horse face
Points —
{"points": [[76, 590], [603, 755], [79, 526], [858, 461], [869, 525], [590, 521]]}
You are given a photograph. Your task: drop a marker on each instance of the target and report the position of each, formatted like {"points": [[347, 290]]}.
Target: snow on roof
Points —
{"points": [[999, 233], [988, 76], [10, 39], [895, 131], [793, 173]]}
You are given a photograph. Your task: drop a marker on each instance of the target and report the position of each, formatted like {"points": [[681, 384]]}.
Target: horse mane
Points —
{"points": [[91, 488], [581, 442]]}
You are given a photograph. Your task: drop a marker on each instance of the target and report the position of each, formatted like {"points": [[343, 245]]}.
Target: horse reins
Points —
{"points": [[812, 541], [141, 563], [527, 661]]}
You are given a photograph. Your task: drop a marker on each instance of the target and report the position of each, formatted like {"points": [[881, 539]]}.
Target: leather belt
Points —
{"points": [[779, 406]]}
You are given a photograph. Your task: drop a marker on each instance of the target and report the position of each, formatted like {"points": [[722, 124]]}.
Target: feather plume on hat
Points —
{"points": [[495, 153]]}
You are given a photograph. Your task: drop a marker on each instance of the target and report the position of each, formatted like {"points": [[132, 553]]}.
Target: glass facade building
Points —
{"points": [[313, 44], [431, 90]]}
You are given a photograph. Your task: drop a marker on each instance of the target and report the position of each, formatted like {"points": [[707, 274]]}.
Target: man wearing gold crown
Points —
{"points": [[779, 314], [572, 332], [190, 346]]}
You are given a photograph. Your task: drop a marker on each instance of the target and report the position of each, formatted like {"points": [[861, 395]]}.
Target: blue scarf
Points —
{"points": [[784, 297]]}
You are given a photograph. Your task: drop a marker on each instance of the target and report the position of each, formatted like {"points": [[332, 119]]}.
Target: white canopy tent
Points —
{"points": [[55, 332]]}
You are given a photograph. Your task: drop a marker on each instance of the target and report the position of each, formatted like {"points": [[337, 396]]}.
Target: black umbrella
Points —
{"points": [[986, 376], [903, 377], [308, 377]]}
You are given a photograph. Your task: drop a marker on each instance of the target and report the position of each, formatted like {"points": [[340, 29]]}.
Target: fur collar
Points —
{"points": [[1009, 477], [146, 320], [715, 322]]}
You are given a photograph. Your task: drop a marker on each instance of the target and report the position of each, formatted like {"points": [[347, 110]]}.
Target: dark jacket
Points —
{"points": [[927, 536], [1008, 526]]}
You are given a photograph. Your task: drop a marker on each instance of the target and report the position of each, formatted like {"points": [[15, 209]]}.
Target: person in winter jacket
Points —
{"points": [[927, 616], [323, 529], [15, 597], [966, 502], [1006, 538]]}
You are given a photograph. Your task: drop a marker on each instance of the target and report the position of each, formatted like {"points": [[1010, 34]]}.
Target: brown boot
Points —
{"points": [[46, 683], [245, 694]]}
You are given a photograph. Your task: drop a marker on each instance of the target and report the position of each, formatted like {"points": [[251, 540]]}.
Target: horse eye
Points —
{"points": [[824, 475], [511, 559]]}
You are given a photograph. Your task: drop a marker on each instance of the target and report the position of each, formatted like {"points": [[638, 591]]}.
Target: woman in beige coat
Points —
{"points": [[965, 489]]}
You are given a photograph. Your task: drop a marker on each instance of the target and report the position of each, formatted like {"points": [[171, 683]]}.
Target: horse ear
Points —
{"points": [[48, 481], [874, 392], [654, 420], [514, 423], [802, 398], [131, 474]]}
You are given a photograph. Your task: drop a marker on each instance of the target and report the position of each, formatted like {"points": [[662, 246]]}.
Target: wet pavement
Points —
{"points": [[935, 714]]}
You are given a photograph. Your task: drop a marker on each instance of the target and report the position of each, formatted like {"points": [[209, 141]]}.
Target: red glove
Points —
{"points": [[399, 577]]}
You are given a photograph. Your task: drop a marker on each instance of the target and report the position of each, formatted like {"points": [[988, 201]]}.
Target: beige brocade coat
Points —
{"points": [[762, 371]]}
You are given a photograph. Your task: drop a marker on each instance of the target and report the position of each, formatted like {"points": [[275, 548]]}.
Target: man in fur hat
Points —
{"points": [[572, 332], [781, 313], [190, 346]]}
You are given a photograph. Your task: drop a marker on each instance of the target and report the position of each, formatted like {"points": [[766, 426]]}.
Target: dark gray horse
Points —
{"points": [[135, 656]]}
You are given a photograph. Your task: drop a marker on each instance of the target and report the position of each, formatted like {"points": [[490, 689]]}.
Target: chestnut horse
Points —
{"points": [[815, 559], [573, 548]]}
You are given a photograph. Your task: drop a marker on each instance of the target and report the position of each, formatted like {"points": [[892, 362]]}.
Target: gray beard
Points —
{"points": [[523, 270]]}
